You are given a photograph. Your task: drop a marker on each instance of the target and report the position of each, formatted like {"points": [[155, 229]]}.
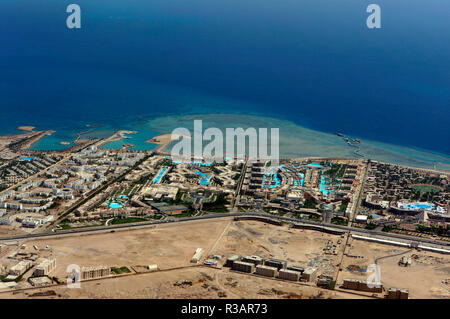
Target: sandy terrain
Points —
{"points": [[164, 140], [204, 283], [166, 246], [300, 247], [117, 136], [423, 278], [8, 139], [26, 128], [171, 247]]}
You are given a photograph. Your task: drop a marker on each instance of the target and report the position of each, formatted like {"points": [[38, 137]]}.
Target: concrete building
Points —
{"points": [[394, 293], [370, 287], [243, 266], [153, 267], [404, 293], [45, 267], [309, 274], [277, 263], [351, 283], [20, 268], [95, 272], [8, 285], [210, 262], [39, 281], [231, 260], [197, 255], [362, 285], [172, 209], [361, 218], [296, 268], [287, 274], [253, 259], [266, 271]]}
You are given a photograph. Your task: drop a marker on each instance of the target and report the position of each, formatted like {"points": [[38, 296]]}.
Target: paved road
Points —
{"points": [[394, 255], [369, 233]]}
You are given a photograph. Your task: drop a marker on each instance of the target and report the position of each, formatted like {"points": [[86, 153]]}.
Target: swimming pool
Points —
{"points": [[275, 182], [161, 173], [302, 179], [205, 178], [315, 165], [115, 205], [323, 185], [192, 163], [417, 206]]}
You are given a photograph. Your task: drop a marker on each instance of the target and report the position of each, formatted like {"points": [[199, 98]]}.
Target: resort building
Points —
{"points": [[45, 267], [95, 272], [20, 268]]}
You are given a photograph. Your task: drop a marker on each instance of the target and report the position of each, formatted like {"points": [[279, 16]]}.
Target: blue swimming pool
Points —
{"points": [[324, 185], [161, 173], [115, 205], [192, 163], [302, 179], [417, 206], [274, 182], [205, 178]]}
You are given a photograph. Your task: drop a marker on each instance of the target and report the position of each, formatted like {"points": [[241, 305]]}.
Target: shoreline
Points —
{"points": [[295, 141], [164, 140], [117, 136], [34, 137]]}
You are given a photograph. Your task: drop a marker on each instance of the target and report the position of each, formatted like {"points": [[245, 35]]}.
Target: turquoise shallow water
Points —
{"points": [[295, 141], [138, 140]]}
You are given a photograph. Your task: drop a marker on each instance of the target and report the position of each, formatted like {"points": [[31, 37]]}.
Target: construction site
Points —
{"points": [[228, 258]]}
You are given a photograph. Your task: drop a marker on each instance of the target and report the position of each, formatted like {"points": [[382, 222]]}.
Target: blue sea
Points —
{"points": [[312, 62]]}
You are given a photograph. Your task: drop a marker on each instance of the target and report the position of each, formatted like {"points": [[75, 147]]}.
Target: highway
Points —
{"points": [[369, 233]]}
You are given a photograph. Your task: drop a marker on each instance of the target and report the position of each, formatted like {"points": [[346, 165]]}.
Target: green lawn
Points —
{"points": [[121, 270], [426, 188], [127, 220], [187, 213], [371, 226], [339, 221]]}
